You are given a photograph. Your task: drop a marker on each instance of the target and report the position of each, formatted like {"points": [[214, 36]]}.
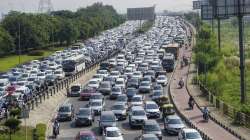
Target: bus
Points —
{"points": [[73, 64], [168, 62]]}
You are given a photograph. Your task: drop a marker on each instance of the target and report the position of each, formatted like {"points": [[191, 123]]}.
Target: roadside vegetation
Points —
{"points": [[44, 33], [219, 71]]}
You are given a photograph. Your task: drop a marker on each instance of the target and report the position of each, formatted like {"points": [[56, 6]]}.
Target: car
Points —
{"points": [[115, 92], [86, 135], [137, 74], [59, 74], [173, 124], [96, 97], [122, 99], [86, 93], [85, 116], [157, 87], [75, 90], [137, 100], [131, 92], [110, 79], [152, 127], [105, 88], [133, 82], [107, 119], [104, 73], [137, 116], [96, 106], [120, 111], [152, 109], [145, 87], [98, 77], [65, 112], [156, 95], [120, 82], [189, 134], [162, 79], [148, 137], [94, 83], [114, 74], [112, 133]]}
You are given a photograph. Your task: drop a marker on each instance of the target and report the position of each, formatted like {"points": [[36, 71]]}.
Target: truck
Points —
{"points": [[168, 62], [172, 48]]}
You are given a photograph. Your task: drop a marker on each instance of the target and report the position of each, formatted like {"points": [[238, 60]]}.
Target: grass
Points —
{"points": [[230, 83], [11, 61], [19, 135]]}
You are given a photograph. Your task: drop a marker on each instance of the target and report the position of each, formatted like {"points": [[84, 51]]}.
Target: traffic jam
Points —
{"points": [[127, 96]]}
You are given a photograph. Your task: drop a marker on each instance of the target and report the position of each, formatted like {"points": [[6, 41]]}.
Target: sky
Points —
{"points": [[119, 5]]}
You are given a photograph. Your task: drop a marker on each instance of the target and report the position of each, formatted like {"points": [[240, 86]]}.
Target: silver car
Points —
{"points": [[173, 124], [152, 127]]}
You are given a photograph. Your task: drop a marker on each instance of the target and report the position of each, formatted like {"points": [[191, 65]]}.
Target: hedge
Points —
{"points": [[40, 131]]}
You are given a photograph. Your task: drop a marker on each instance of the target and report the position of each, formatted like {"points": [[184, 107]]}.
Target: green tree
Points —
{"points": [[68, 32], [6, 42], [12, 124]]}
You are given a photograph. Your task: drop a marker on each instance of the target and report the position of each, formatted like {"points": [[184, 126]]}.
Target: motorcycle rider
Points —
{"points": [[205, 113], [181, 82], [56, 126], [191, 102]]}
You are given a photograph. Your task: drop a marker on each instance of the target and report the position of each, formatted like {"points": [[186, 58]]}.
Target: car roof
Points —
{"points": [[173, 117], [112, 129], [188, 130], [150, 122], [137, 108], [107, 113], [86, 132], [150, 102]]}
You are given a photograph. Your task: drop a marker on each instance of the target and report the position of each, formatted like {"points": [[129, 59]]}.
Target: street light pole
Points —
{"points": [[19, 43], [219, 39]]}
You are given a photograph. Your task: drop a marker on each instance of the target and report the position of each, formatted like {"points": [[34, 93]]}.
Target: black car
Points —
{"points": [[85, 116]]}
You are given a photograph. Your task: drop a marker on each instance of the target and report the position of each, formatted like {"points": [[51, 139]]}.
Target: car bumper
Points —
{"points": [[82, 122], [172, 131], [121, 116], [153, 115]]}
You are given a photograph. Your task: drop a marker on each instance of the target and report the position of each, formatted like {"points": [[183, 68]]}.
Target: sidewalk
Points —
{"points": [[45, 111], [201, 101], [181, 97]]}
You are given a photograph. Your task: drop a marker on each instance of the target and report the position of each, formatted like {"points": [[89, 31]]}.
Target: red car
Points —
{"points": [[86, 135], [86, 93]]}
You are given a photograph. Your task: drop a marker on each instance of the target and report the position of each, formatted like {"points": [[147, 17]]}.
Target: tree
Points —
{"points": [[12, 124], [68, 32], [6, 42]]}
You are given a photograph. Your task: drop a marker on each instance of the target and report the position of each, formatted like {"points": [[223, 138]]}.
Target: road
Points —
{"points": [[69, 131]]}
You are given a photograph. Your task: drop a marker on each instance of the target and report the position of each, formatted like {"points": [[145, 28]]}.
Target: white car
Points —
{"points": [[113, 133], [137, 100], [120, 82], [94, 83], [162, 79], [189, 134], [96, 106], [59, 74], [152, 109], [99, 77], [137, 74], [104, 73]]}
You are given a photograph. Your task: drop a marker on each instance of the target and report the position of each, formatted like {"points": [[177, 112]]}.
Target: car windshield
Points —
{"points": [[113, 134], [64, 109], [93, 82], [108, 118], [150, 138], [84, 112], [193, 135], [174, 121], [151, 128], [96, 97], [75, 88], [136, 99], [151, 106], [96, 103], [139, 113], [87, 137], [121, 98], [41, 74], [157, 93], [118, 107], [116, 89], [58, 72]]}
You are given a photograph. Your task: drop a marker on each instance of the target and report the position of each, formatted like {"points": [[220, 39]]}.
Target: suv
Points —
{"points": [[65, 112], [107, 119], [152, 109], [105, 88], [173, 124], [137, 116], [187, 134]]}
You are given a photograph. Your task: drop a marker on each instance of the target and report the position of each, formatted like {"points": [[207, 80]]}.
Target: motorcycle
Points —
{"points": [[191, 105], [205, 117], [55, 131], [181, 83]]}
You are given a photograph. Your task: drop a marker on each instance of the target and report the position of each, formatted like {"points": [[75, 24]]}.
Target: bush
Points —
{"points": [[16, 112], [41, 130], [36, 53], [12, 124]]}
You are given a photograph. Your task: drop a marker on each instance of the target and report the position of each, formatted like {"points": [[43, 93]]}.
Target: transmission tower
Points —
{"points": [[45, 6]]}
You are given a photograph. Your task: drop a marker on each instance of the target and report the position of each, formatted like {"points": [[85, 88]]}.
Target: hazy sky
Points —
{"points": [[120, 5]]}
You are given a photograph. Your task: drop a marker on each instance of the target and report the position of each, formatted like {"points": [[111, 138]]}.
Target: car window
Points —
{"points": [[138, 113], [151, 128], [85, 137], [113, 134], [151, 106], [64, 109], [193, 135]]}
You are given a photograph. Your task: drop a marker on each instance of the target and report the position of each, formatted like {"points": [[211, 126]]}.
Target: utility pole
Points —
{"points": [[242, 57], [219, 39], [19, 42]]}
